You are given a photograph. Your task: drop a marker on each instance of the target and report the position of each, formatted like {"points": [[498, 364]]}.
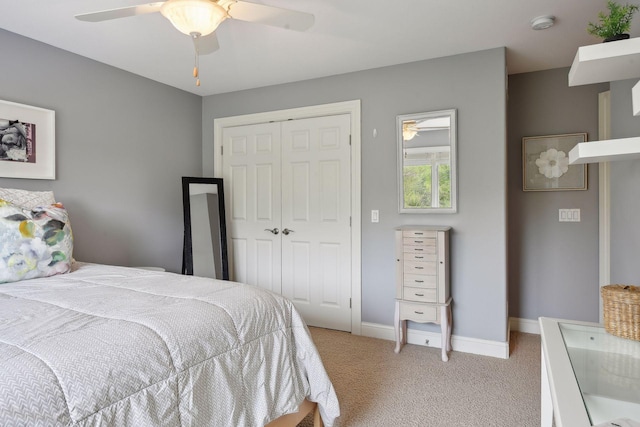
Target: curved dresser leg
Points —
{"points": [[449, 330], [398, 330], [444, 328]]}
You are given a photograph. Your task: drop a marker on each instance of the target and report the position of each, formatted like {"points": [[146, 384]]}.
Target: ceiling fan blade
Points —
{"points": [[208, 44], [122, 12], [269, 15]]}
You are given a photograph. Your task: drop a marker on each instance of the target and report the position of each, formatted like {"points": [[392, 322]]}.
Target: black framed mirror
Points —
{"points": [[205, 235]]}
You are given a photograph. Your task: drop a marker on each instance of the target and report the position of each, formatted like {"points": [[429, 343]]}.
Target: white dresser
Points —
{"points": [[422, 281]]}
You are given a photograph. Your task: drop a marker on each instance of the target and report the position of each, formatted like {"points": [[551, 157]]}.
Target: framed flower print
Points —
{"points": [[27, 141], [545, 163]]}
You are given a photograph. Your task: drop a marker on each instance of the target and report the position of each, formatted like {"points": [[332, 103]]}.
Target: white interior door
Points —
{"points": [[316, 200], [251, 170], [293, 176]]}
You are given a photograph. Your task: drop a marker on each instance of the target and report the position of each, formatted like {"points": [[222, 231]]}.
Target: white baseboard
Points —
{"points": [[524, 325], [432, 339]]}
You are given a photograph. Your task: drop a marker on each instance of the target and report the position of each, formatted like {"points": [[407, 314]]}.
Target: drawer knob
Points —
{"points": [[419, 249], [419, 295], [417, 241], [419, 268], [418, 233], [419, 281], [419, 257], [419, 312]]}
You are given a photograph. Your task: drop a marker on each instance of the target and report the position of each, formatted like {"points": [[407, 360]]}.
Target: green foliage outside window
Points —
{"points": [[418, 190], [444, 185], [417, 186]]}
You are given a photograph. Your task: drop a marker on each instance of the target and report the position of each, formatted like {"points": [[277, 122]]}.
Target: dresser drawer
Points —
{"points": [[420, 294], [420, 257], [419, 233], [419, 241], [419, 312], [420, 281], [422, 249], [416, 267]]}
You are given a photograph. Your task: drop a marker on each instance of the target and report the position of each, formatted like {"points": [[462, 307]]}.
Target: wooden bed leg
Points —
{"points": [[317, 420], [292, 420]]}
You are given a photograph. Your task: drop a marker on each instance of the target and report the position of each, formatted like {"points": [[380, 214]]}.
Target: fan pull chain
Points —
{"points": [[195, 69], [196, 66]]}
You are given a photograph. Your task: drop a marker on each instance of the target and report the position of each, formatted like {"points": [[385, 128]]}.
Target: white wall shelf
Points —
{"points": [[606, 62], [605, 151], [635, 99]]}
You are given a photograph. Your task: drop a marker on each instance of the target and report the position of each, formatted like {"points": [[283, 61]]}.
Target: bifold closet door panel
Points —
{"points": [[316, 194], [252, 176]]}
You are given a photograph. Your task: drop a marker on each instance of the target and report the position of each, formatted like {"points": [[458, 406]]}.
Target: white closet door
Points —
{"points": [[316, 205], [251, 171]]}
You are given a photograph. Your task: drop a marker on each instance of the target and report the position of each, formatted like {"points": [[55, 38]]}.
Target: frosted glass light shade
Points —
{"points": [[409, 130], [194, 16]]}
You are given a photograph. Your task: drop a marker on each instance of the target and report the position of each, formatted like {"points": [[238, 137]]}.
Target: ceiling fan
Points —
{"points": [[410, 128], [200, 18]]}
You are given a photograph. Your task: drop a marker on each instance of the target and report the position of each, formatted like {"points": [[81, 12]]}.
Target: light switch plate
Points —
{"points": [[375, 216], [569, 215]]}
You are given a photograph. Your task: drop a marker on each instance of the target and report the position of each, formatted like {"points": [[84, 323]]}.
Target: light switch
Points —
{"points": [[569, 215], [563, 215], [375, 216], [575, 215]]}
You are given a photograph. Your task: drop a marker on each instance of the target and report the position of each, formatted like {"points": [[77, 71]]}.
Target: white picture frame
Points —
{"points": [[545, 163], [35, 158]]}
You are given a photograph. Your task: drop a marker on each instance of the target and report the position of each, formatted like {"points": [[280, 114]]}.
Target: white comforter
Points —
{"points": [[116, 346]]}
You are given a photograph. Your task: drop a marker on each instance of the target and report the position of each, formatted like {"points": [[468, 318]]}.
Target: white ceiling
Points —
{"points": [[348, 35]]}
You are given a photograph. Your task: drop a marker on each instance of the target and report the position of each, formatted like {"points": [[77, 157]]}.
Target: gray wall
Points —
{"points": [[625, 191], [553, 266], [122, 144], [474, 84]]}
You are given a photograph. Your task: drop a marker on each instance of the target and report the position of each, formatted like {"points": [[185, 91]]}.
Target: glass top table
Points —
{"points": [[593, 376]]}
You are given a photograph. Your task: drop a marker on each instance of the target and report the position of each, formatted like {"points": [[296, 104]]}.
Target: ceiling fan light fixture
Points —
{"points": [[194, 16], [409, 130]]}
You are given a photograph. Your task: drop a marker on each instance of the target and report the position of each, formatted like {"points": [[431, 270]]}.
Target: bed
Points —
{"points": [[118, 346]]}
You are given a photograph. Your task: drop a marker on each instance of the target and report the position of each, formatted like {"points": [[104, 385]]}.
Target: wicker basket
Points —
{"points": [[621, 304]]}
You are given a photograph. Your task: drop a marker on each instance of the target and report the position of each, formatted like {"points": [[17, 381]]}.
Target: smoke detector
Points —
{"points": [[542, 22]]}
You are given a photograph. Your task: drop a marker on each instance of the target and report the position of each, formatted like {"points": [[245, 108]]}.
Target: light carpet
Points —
{"points": [[377, 387]]}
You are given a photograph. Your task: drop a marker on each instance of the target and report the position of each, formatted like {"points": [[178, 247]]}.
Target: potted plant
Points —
{"points": [[615, 25]]}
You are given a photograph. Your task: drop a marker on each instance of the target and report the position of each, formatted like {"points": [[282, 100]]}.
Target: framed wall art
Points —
{"points": [[545, 163], [27, 141]]}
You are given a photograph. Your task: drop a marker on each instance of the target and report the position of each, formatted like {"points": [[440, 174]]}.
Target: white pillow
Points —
{"points": [[27, 199]]}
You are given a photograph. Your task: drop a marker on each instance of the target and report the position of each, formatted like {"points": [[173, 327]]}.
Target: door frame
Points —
{"points": [[604, 200], [347, 107]]}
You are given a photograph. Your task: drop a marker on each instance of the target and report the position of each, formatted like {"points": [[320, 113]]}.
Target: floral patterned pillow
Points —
{"points": [[34, 242]]}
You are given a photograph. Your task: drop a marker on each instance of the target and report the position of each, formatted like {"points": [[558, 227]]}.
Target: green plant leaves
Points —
{"points": [[617, 22]]}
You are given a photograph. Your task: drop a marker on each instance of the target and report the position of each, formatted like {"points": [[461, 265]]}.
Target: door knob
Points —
{"points": [[286, 231], [274, 231]]}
